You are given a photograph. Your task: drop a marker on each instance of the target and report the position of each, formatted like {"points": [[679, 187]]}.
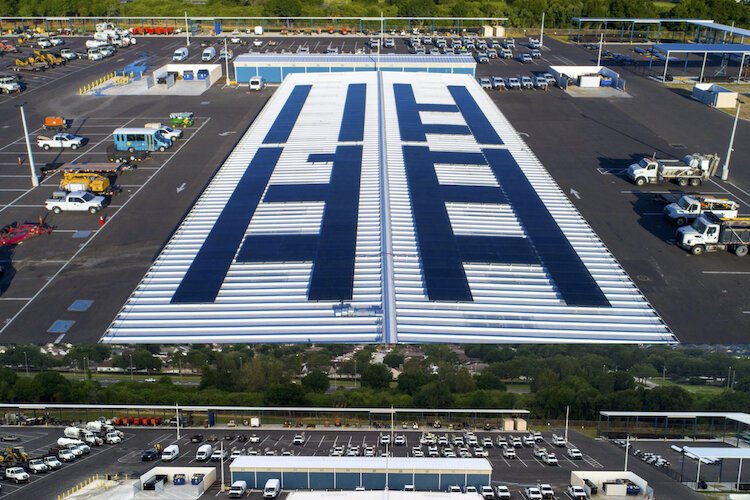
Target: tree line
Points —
{"points": [[521, 13], [543, 379]]}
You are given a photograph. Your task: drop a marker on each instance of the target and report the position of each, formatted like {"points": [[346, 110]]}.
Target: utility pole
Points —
{"points": [[599, 57], [725, 168], [177, 415], [32, 167], [187, 31], [222, 466], [541, 32], [627, 451], [567, 415]]}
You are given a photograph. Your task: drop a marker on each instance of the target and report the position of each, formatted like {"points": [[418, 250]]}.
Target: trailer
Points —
{"points": [[691, 169], [709, 233]]}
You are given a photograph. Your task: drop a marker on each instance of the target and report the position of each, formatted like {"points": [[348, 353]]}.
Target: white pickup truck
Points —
{"points": [[77, 201], [61, 140], [16, 474], [9, 85]]}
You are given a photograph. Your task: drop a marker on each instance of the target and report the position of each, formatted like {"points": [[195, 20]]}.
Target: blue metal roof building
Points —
{"points": [[704, 49], [372, 473], [275, 67]]}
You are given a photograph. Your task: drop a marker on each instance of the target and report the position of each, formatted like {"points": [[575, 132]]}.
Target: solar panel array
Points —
{"points": [[354, 58], [391, 207]]}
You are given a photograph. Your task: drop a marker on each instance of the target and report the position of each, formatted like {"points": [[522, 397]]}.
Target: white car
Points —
{"points": [[547, 491], [385, 439], [502, 492], [218, 455], [257, 43], [55, 41], [550, 459], [44, 43], [533, 493], [454, 489], [399, 440], [299, 439], [236, 453], [513, 83], [95, 55], [486, 492], [235, 39], [576, 492], [487, 443], [481, 452], [509, 453], [68, 54], [501, 441], [418, 453], [254, 439], [471, 490], [575, 454], [112, 438]]}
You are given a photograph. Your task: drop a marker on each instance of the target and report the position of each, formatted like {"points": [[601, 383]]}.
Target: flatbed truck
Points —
{"points": [[691, 169], [688, 207]]}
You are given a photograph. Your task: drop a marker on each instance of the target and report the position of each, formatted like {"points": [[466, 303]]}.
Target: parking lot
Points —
{"points": [[125, 458]]}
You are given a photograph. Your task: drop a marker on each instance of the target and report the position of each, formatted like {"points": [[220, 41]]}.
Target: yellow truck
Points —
{"points": [[87, 181]]}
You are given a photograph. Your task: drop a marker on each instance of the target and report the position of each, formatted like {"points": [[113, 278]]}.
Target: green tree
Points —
{"points": [[393, 359], [376, 376], [288, 394], [282, 8], [53, 387], [316, 381], [142, 360], [433, 395], [488, 380]]}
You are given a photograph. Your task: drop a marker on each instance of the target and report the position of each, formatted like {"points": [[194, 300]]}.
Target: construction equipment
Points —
{"points": [[14, 455], [15, 233], [691, 169], [57, 123], [181, 120], [30, 64], [688, 207], [51, 59], [710, 233], [84, 181]]}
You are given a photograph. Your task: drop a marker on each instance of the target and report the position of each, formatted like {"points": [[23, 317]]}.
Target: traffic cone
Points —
{"points": [[101, 220]]}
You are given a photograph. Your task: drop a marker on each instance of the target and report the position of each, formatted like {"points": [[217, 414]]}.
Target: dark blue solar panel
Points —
{"points": [[438, 128], [472, 194], [442, 268], [284, 123], [489, 249], [333, 271], [571, 277], [353, 121], [279, 193], [278, 248], [475, 118], [210, 266], [446, 108], [458, 158], [409, 122]]}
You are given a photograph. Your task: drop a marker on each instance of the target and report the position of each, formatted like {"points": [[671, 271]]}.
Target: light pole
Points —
{"points": [[177, 415], [131, 367], [627, 451], [599, 57], [32, 167], [541, 32], [187, 31], [26, 361], [222, 466], [725, 168], [226, 59]]}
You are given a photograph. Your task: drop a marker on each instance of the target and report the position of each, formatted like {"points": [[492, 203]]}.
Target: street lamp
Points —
{"points": [[725, 168], [32, 167]]}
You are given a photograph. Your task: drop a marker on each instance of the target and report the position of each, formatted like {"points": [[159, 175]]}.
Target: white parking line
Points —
{"points": [[89, 240]]}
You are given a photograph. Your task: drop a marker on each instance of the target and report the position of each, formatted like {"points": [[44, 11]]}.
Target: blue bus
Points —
{"points": [[140, 139]]}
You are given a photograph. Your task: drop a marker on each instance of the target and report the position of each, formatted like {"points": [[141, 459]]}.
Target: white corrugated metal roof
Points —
{"points": [[717, 452], [449, 281], [437, 465], [742, 418]]}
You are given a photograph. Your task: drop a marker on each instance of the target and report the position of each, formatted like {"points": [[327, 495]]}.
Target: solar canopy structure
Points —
{"points": [[382, 208], [742, 50]]}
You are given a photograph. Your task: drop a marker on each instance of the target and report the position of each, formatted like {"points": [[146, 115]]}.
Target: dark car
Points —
{"points": [[241, 438], [196, 438], [149, 455]]}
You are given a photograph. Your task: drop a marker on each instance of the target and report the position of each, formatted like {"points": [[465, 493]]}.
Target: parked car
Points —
{"points": [[527, 82], [524, 57], [541, 83], [575, 454], [513, 83], [485, 83], [149, 455], [502, 492]]}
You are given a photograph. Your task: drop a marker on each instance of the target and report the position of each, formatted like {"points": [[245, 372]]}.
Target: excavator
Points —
{"points": [[14, 455]]}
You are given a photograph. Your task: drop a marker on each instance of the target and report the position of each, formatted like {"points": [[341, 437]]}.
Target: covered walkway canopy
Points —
{"points": [[613, 418], [741, 50], [717, 454], [713, 29], [633, 21]]}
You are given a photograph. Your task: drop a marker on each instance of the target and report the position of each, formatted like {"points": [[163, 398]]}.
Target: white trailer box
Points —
{"points": [[259, 30], [488, 31], [507, 424], [520, 424], [500, 31], [714, 95], [255, 422]]}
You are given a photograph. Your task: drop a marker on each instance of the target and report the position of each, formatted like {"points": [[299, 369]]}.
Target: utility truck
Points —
{"points": [[61, 140], [709, 233], [691, 169], [688, 207]]}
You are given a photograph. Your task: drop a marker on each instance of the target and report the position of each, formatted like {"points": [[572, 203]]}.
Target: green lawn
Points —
{"points": [[664, 6], [695, 389]]}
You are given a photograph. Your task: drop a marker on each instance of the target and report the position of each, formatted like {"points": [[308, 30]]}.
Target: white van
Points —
{"points": [[238, 489], [170, 453], [257, 83], [272, 488], [180, 54], [204, 453], [209, 53]]}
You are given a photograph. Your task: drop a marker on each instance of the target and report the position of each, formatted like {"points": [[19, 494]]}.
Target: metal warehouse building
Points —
{"points": [[372, 473], [385, 207], [275, 67]]}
